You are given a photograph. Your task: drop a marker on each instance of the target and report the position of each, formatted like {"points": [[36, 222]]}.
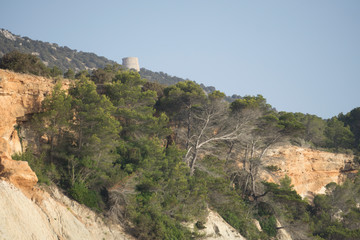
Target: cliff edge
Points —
{"points": [[20, 95], [28, 212], [310, 170]]}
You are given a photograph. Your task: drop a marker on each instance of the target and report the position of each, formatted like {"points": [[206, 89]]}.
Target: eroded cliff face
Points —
{"points": [[36, 214], [28, 212], [20, 95], [310, 170], [51, 216]]}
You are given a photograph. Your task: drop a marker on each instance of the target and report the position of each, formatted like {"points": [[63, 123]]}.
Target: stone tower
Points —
{"points": [[131, 63]]}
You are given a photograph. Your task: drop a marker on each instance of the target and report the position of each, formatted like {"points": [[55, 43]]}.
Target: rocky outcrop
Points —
{"points": [[310, 170], [33, 213], [18, 173], [54, 217], [216, 228], [20, 95]]}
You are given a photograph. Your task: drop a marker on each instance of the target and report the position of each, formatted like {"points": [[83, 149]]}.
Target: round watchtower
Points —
{"points": [[131, 63]]}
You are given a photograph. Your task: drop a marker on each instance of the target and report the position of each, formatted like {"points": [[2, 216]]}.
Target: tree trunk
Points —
{"points": [[193, 161]]}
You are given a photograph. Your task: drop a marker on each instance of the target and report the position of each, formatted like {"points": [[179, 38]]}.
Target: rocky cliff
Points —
{"points": [[310, 170], [20, 95], [50, 216], [30, 212], [33, 213]]}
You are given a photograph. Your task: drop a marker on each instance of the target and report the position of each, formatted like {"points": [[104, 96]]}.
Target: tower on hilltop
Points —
{"points": [[131, 63]]}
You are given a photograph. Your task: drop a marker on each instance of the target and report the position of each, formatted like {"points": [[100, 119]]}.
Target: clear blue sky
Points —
{"points": [[302, 56]]}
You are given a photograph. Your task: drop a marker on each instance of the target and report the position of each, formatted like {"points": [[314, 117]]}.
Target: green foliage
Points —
{"points": [[93, 122], [336, 215], [338, 136], [352, 119], [23, 63], [62, 57], [286, 200], [289, 123], [135, 111], [101, 151], [55, 119], [84, 119], [55, 71], [70, 74], [43, 170], [135, 107], [82, 194], [105, 75], [285, 184], [156, 87], [166, 196], [215, 95], [314, 128], [153, 224], [200, 225], [100, 135], [180, 98], [82, 74], [159, 77], [273, 168], [268, 225], [250, 102], [225, 199]]}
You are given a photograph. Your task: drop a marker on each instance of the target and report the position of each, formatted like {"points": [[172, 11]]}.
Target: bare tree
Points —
{"points": [[249, 151], [213, 122]]}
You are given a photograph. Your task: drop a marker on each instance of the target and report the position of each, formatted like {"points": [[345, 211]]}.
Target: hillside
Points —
{"points": [[174, 161], [51, 53], [45, 212], [65, 58], [152, 180]]}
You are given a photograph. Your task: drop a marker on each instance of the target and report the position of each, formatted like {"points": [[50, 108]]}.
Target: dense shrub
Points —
{"points": [[25, 63], [82, 194]]}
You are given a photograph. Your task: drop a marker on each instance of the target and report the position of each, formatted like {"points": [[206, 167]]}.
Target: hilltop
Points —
{"points": [[51, 53], [65, 58]]}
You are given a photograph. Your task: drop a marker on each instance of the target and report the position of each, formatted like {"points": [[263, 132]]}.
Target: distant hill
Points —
{"points": [[65, 58], [160, 77], [51, 53]]}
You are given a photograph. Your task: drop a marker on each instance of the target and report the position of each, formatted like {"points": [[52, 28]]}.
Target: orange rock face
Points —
{"points": [[18, 173], [310, 170], [20, 94]]}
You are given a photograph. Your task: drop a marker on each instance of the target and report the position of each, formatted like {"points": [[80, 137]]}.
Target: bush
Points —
{"points": [[23, 63], [273, 168], [82, 194], [200, 225], [268, 224]]}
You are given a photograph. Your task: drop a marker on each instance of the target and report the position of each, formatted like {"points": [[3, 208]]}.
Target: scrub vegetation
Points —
{"points": [[155, 157]]}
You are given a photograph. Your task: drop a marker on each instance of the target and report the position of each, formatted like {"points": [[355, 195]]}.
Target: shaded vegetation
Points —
{"points": [[160, 156], [24, 63]]}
